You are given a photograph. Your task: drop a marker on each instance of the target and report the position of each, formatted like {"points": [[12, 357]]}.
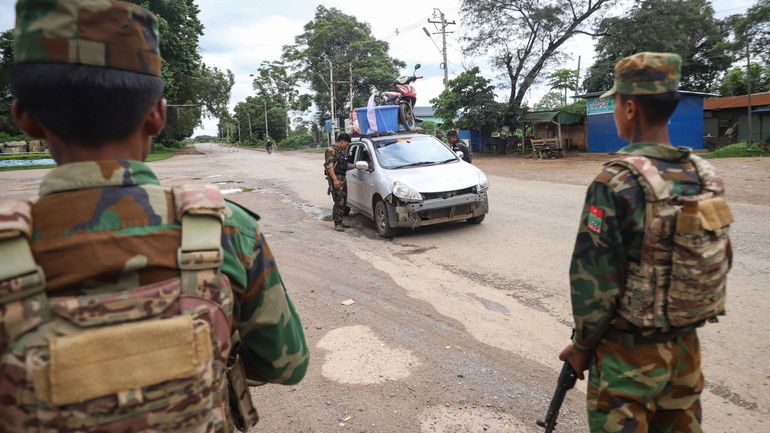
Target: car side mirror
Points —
{"points": [[362, 165], [459, 154]]}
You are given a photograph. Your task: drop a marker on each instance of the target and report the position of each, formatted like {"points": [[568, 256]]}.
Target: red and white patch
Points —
{"points": [[595, 219]]}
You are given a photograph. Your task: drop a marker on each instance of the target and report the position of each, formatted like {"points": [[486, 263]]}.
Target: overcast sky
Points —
{"points": [[240, 34]]}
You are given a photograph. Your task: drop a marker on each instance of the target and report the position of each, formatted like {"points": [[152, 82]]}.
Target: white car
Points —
{"points": [[413, 180]]}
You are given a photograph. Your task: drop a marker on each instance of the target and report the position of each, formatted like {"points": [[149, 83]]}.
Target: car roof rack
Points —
{"points": [[389, 133]]}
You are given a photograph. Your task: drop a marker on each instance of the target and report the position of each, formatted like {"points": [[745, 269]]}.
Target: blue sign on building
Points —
{"points": [[685, 126]]}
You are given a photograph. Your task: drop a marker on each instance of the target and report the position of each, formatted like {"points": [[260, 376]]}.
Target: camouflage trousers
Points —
{"points": [[340, 197], [646, 388]]}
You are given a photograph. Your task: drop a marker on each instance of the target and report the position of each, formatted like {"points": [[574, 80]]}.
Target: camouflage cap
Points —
{"points": [[647, 74], [106, 33]]}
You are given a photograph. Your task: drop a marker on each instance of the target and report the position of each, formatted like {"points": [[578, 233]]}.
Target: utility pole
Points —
{"points": [[444, 24], [267, 133], [350, 74], [577, 82], [748, 83], [250, 138], [239, 131], [331, 89]]}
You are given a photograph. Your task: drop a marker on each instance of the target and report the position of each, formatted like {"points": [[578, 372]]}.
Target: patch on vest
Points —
{"points": [[595, 219]]}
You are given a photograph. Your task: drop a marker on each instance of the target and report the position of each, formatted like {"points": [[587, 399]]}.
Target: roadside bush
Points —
{"points": [[5, 138], [296, 142], [24, 156], [738, 150]]}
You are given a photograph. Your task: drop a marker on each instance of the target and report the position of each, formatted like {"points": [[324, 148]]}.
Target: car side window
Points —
{"points": [[352, 151]]}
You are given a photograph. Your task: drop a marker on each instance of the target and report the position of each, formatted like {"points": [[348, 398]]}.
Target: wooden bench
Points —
{"points": [[547, 147]]}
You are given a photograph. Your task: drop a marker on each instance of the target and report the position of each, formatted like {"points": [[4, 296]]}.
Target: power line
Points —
{"points": [[444, 24]]}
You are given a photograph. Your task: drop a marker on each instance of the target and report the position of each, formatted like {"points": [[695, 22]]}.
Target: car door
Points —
{"points": [[365, 179], [354, 183]]}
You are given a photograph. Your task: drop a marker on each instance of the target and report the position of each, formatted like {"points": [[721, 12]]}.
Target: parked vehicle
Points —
{"points": [[411, 180], [405, 97]]}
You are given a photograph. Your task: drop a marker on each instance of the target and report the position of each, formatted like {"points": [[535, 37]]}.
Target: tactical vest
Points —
{"points": [[681, 278], [132, 359]]}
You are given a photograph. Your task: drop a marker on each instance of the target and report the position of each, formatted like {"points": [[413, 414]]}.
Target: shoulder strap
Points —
{"points": [[654, 186], [20, 275], [708, 176], [200, 209]]}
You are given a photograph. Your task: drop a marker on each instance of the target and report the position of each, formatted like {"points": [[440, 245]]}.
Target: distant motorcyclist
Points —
{"points": [[458, 145], [269, 146]]}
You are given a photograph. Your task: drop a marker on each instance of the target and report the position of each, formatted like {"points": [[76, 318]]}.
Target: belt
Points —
{"points": [[631, 339]]}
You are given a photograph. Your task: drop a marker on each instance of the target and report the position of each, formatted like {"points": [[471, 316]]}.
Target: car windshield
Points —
{"points": [[403, 152]]}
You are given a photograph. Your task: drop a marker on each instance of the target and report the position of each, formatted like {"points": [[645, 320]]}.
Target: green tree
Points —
{"points": [[564, 80], [549, 102], [7, 127], [525, 37], [735, 83], [753, 29], [348, 44], [471, 97], [685, 27], [252, 112]]}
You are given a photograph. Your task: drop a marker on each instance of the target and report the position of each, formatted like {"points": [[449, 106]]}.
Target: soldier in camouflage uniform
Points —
{"points": [[645, 373], [336, 167], [129, 307]]}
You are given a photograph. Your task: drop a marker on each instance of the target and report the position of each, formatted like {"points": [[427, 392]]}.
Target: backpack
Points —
{"points": [[686, 254], [128, 359]]}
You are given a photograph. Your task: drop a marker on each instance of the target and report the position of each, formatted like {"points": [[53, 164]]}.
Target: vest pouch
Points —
{"points": [[150, 375], [637, 301], [242, 410], [156, 300]]}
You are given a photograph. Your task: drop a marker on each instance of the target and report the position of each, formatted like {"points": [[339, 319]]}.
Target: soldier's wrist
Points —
{"points": [[580, 348]]}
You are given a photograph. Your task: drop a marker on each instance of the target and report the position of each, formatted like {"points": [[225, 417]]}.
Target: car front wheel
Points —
{"points": [[476, 220], [381, 219]]}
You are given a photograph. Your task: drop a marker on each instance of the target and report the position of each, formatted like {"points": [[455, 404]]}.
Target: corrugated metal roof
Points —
{"points": [[561, 117], [742, 101]]}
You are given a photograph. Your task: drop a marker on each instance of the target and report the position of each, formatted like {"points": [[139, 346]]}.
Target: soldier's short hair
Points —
{"points": [[451, 133], [343, 136], [85, 104], [657, 108]]}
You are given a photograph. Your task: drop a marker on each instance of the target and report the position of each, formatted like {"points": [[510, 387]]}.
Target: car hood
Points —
{"points": [[438, 178]]}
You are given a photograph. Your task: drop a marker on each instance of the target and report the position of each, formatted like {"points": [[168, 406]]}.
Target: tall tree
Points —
{"points": [[7, 126], [549, 101], [735, 83], [341, 42], [471, 97], [525, 37], [685, 27], [564, 80], [753, 30]]}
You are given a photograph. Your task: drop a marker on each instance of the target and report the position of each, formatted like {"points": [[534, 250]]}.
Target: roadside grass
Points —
{"points": [[159, 155], [22, 156], [738, 150]]}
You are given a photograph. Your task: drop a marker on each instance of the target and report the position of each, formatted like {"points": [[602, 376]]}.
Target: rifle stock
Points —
{"points": [[567, 379]]}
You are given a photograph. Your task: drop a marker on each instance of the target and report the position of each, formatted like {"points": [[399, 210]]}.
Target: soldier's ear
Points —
{"points": [[26, 122], [155, 120], [631, 109]]}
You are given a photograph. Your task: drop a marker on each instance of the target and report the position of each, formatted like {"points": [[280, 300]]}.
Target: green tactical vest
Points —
{"points": [[686, 254], [152, 358]]}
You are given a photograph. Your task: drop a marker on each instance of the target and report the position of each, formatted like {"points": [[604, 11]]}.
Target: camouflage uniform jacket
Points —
{"points": [[336, 159], [611, 232], [112, 222]]}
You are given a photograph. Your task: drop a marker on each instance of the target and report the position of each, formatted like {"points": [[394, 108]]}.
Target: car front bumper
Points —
{"points": [[439, 210]]}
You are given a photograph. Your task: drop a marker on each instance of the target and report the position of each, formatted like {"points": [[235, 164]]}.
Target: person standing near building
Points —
{"points": [[458, 145], [127, 306], [336, 167], [650, 264]]}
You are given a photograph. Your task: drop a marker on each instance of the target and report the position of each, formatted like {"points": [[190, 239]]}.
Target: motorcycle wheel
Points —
{"points": [[406, 117]]}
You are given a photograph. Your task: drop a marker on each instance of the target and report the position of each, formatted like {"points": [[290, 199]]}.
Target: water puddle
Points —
{"points": [[26, 162]]}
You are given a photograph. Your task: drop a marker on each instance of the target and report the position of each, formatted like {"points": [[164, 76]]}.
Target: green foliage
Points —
{"points": [[7, 127], [524, 37], [738, 150], [734, 82], [347, 43], [753, 29], [564, 80], [472, 97], [429, 127], [23, 156], [14, 136], [296, 142], [687, 28], [549, 102], [578, 107]]}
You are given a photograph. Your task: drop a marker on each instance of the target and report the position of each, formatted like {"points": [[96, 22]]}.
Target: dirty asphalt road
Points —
{"points": [[454, 328]]}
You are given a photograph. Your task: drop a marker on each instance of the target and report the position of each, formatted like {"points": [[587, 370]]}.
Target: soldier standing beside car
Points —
{"points": [[127, 306], [458, 145], [650, 264], [336, 167]]}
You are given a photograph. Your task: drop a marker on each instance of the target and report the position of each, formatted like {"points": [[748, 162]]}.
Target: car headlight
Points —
{"points": [[405, 192], [483, 181]]}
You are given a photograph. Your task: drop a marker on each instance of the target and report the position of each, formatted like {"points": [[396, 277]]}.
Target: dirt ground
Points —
{"points": [[746, 179]]}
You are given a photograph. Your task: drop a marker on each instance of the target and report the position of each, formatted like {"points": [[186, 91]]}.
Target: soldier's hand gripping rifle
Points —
{"points": [[567, 379]]}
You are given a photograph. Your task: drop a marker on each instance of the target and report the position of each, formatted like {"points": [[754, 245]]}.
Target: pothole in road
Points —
{"points": [[469, 420], [357, 356]]}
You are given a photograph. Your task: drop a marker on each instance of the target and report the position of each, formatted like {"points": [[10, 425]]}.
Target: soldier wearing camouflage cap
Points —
{"points": [[125, 306], [649, 265]]}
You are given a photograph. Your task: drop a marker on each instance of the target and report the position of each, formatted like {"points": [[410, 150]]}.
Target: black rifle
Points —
{"points": [[567, 379]]}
